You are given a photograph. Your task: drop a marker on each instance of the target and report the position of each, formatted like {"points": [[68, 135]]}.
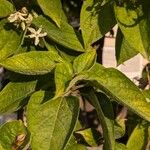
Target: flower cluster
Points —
{"points": [[21, 18], [24, 19]]}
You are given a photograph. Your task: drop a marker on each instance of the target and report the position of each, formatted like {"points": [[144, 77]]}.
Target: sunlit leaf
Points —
{"points": [[53, 9], [134, 26], [32, 63], [63, 73], [139, 137], [119, 87], [84, 61], [51, 123], [65, 35], [95, 21]]}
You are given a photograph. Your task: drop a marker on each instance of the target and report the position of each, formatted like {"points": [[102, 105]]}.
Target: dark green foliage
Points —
{"points": [[52, 71]]}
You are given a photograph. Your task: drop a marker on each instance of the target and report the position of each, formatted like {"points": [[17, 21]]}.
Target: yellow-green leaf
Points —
{"points": [[14, 135], [119, 87], [84, 61], [65, 35], [63, 74], [134, 26], [124, 51], [51, 123], [10, 41], [53, 9], [139, 137], [13, 95], [31, 63], [5, 8], [95, 21]]}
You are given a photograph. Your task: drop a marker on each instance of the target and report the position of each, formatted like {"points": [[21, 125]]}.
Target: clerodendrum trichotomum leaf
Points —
{"points": [[53, 9], [95, 21], [10, 40], [12, 97], [51, 123], [31, 63], [5, 8], [134, 26], [65, 35], [14, 135], [119, 87]]}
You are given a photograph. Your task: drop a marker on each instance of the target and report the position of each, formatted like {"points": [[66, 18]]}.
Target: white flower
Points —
{"points": [[17, 17], [21, 18], [29, 20], [36, 34]]}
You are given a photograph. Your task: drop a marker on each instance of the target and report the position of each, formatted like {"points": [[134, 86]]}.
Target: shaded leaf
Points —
{"points": [[10, 41], [65, 35], [14, 135], [131, 21], [54, 119], [96, 21], [13, 95], [124, 51], [31, 63], [106, 117]]}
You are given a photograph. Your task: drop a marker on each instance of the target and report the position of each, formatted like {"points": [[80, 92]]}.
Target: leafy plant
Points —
{"points": [[52, 69]]}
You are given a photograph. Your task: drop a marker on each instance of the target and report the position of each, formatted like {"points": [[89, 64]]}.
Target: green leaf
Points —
{"points": [[105, 114], [131, 21], [13, 95], [65, 35], [96, 21], [31, 63], [139, 137], [118, 86], [14, 135], [119, 146], [54, 122], [53, 9], [67, 54], [119, 128], [147, 95], [90, 136], [5, 8], [54, 52], [124, 51], [84, 61], [72, 144], [63, 74], [10, 41]]}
